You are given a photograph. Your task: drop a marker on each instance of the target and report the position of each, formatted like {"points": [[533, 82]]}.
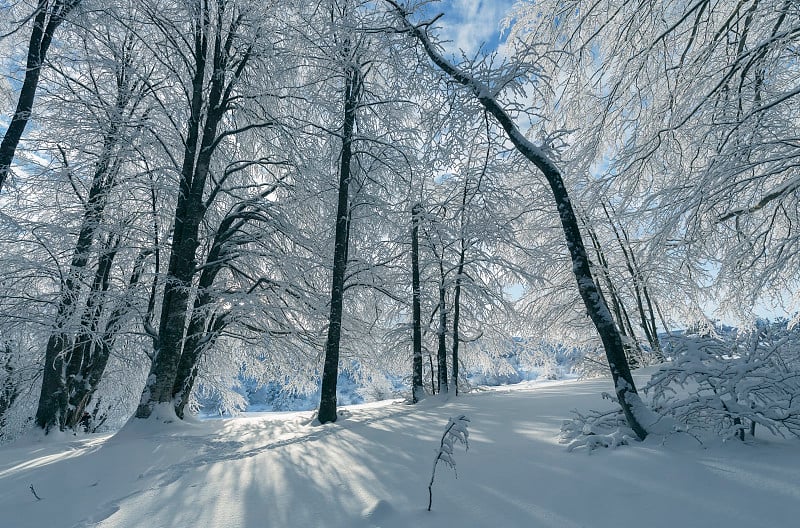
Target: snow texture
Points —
{"points": [[370, 469]]}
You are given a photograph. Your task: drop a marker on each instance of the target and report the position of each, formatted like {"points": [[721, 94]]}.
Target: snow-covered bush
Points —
{"points": [[456, 431], [9, 386], [596, 429], [732, 382]]}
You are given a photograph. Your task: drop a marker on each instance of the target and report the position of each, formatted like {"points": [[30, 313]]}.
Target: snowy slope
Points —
{"points": [[371, 468]]}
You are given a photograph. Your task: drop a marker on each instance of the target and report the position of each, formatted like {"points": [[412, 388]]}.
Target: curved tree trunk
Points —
{"points": [[595, 307]]}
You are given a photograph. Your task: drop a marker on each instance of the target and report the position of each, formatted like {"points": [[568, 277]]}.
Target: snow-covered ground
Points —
{"points": [[371, 468]]}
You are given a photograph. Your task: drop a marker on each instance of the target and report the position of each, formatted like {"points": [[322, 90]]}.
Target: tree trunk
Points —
{"points": [[597, 310], [199, 335], [619, 313], [460, 273], [53, 399], [85, 347], [417, 390], [202, 334], [441, 355], [99, 348], [457, 314], [175, 305], [330, 370], [191, 207], [9, 390], [48, 16], [433, 374]]}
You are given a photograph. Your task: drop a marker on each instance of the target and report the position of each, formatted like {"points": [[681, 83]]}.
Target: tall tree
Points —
{"points": [[122, 118], [222, 50], [352, 96], [690, 127]]}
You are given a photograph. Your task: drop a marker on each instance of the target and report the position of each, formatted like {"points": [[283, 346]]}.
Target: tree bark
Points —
{"points": [[53, 399], [441, 354], [189, 213], [457, 314], [330, 370], [97, 348], [417, 389], [172, 375], [198, 336], [84, 348], [9, 390]]}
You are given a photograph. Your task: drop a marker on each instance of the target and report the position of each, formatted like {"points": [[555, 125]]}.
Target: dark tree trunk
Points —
{"points": [[330, 370], [619, 313], [191, 207], [200, 335], [433, 375], [205, 326], [417, 390], [49, 15], [460, 272], [97, 348], [441, 354], [177, 293], [457, 314], [9, 391], [86, 346], [597, 310], [53, 399]]}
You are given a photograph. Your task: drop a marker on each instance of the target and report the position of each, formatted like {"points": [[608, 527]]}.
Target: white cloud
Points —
{"points": [[468, 24]]}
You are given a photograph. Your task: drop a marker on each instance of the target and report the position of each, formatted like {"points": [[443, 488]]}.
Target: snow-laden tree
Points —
{"points": [[487, 85], [683, 116], [111, 88], [232, 58]]}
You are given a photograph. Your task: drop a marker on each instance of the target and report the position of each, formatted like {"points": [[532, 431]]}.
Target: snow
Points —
{"points": [[371, 468]]}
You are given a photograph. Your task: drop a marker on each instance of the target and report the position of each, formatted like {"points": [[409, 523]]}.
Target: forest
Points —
{"points": [[199, 194]]}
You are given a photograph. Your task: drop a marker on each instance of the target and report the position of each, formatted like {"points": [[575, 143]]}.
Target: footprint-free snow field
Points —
{"points": [[371, 469]]}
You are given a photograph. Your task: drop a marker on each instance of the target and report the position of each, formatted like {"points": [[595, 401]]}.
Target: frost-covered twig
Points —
{"points": [[34, 493], [456, 430], [596, 429]]}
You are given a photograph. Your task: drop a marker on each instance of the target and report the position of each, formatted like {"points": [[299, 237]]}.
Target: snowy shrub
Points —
{"points": [[19, 384], [456, 431], [503, 360], [596, 429], [9, 386], [730, 383]]}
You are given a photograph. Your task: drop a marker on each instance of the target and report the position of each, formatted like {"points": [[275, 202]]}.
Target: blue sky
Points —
{"points": [[470, 23]]}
